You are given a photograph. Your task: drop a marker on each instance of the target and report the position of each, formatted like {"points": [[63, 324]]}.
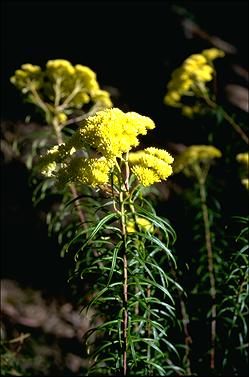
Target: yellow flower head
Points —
{"points": [[86, 77], [61, 117], [213, 53], [188, 111], [88, 171], [30, 68], [60, 82], [203, 73], [195, 154], [27, 75], [142, 223], [245, 182], [146, 176], [151, 165], [195, 72], [55, 155], [59, 67], [49, 169], [193, 62], [112, 132], [243, 158], [101, 97], [84, 73], [69, 78]]}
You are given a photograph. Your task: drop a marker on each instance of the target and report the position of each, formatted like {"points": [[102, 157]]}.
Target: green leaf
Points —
{"points": [[99, 226], [170, 346], [158, 367], [114, 259], [104, 360], [159, 222], [146, 281], [158, 242], [99, 294], [151, 343], [101, 348]]}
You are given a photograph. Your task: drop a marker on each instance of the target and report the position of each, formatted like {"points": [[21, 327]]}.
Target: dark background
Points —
{"points": [[132, 46]]}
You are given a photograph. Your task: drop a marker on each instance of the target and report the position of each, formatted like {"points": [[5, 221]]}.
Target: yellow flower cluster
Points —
{"points": [[245, 182], [195, 154], [186, 80], [57, 154], [243, 159], [88, 171], [110, 133], [213, 53], [62, 81], [26, 75], [151, 165], [142, 223]]}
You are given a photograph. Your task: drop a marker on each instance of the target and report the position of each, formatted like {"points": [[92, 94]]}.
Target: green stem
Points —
{"points": [[125, 282], [57, 90], [228, 118], [80, 118], [57, 130], [127, 172], [188, 339], [75, 91], [185, 322], [148, 327], [210, 269], [236, 127], [132, 208], [19, 339], [40, 103], [148, 289]]}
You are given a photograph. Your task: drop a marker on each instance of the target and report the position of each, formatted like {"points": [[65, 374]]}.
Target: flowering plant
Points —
{"points": [[64, 95], [192, 89], [121, 247], [123, 251], [188, 88], [125, 248]]}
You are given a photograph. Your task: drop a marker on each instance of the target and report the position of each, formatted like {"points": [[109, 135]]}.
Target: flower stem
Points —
{"points": [[210, 269], [125, 284], [228, 118], [185, 322], [125, 316], [80, 118], [236, 127], [71, 96], [37, 99]]}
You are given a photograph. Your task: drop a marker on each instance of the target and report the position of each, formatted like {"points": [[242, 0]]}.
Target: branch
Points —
{"points": [[210, 269]]}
